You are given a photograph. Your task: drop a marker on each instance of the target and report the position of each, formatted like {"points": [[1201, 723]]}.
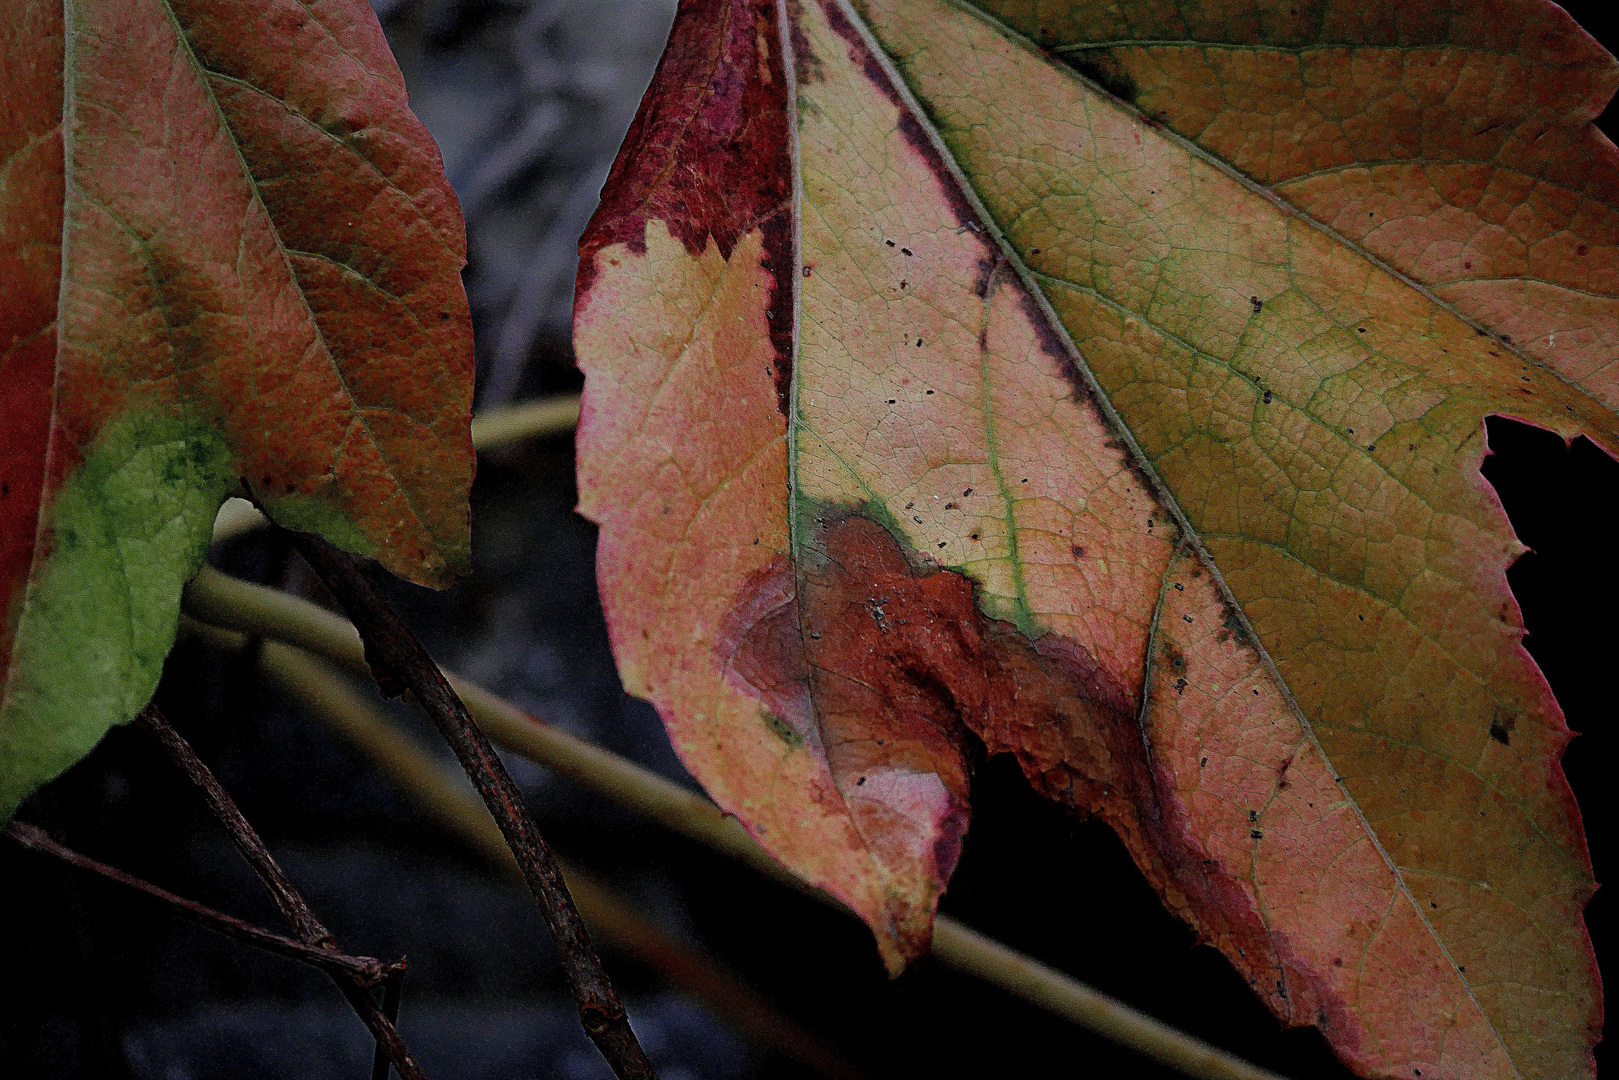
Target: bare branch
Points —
{"points": [[304, 923], [393, 988], [398, 662], [364, 970]]}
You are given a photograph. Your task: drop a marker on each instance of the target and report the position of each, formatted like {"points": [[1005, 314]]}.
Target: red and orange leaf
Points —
{"points": [[228, 256], [935, 395]]}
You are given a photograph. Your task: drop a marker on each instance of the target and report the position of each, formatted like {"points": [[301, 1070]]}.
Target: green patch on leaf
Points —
{"points": [[127, 530], [301, 513]]}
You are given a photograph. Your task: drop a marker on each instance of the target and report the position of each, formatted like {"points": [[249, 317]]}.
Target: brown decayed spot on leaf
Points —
{"points": [[884, 667]]}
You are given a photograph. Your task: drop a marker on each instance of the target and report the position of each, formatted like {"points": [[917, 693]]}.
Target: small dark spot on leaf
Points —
{"points": [[919, 345], [1257, 303], [1188, 618], [890, 243], [1079, 552], [779, 728], [890, 401], [1203, 763], [1467, 265], [941, 543], [1582, 251], [966, 492], [1501, 729], [975, 536], [862, 780], [1507, 338], [1253, 816], [905, 251], [930, 391], [1255, 834], [1360, 329], [1034, 251], [1267, 397], [1179, 587], [949, 506]]}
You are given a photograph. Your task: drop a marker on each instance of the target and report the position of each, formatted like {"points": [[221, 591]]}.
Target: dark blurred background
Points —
{"points": [[528, 102]]}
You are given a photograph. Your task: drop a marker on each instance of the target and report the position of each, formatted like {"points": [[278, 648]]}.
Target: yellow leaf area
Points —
{"points": [[1320, 424], [1455, 142], [1201, 458], [694, 431]]}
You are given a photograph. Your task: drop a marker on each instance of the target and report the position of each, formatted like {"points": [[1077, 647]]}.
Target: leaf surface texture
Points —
{"points": [[229, 256], [937, 397]]}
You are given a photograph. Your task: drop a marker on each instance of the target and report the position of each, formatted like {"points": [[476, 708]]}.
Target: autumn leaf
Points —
{"points": [[1106, 384], [228, 255]]}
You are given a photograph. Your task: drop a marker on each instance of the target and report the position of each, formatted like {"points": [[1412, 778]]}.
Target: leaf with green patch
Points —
{"points": [[228, 256], [937, 397]]}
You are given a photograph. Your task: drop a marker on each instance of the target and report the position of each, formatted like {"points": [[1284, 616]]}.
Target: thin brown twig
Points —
{"points": [[364, 970], [309, 929], [305, 924], [328, 695], [399, 662], [393, 988]]}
